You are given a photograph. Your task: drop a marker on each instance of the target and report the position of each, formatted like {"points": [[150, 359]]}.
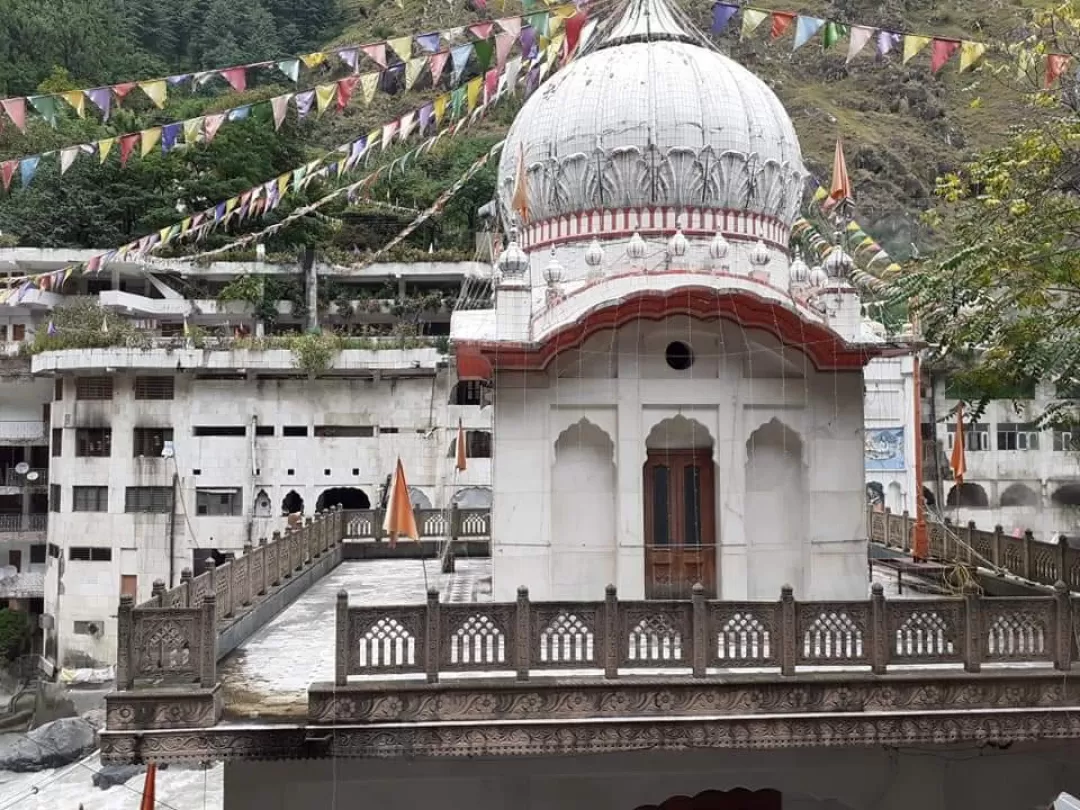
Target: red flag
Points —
{"points": [[958, 461], [841, 185], [573, 31], [781, 21], [345, 88], [127, 145], [400, 520], [9, 168], [149, 788], [461, 457], [491, 84], [1056, 63], [941, 51], [237, 77], [121, 90], [16, 110]]}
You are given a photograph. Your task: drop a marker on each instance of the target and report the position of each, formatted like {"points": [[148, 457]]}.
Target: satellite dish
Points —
{"points": [[32, 476], [167, 450], [22, 468]]}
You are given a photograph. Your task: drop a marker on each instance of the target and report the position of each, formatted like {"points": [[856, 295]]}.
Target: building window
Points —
{"points": [[220, 430], [344, 431], [218, 502], [89, 499], [264, 430], [54, 551], [54, 497], [86, 628], [58, 389], [294, 430], [155, 388], [93, 388], [148, 499], [37, 554], [90, 553], [1065, 440], [1017, 436], [93, 442], [467, 392], [57, 443], [976, 437], [387, 431], [151, 441]]}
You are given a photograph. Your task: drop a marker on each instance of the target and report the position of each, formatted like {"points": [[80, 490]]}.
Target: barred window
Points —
{"points": [[344, 431], [54, 498], [148, 499], [976, 437], [89, 499], [93, 442], [58, 389], [151, 441], [155, 388], [93, 388], [90, 553], [467, 392], [1017, 436], [219, 430], [218, 502], [57, 442]]}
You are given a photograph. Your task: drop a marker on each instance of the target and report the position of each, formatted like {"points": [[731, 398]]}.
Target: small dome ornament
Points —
{"points": [[553, 273], [799, 271], [837, 264], [637, 248], [759, 255], [594, 254], [718, 247], [818, 277], [513, 263], [678, 245]]}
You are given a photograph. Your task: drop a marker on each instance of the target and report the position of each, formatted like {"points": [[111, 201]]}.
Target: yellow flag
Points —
{"points": [[413, 69], [402, 46], [369, 83], [751, 19], [374, 137], [192, 128], [231, 204], [163, 234], [821, 194], [283, 183], [554, 24], [324, 94], [971, 53], [555, 47], [104, 146], [77, 101], [149, 138], [913, 44], [313, 60], [156, 91], [185, 226], [472, 92], [440, 107]]}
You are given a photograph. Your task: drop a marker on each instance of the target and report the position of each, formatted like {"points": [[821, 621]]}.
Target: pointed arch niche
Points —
{"points": [[583, 547], [775, 511]]}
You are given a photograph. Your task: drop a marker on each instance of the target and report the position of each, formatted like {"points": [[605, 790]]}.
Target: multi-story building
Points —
{"points": [[208, 424], [888, 413]]}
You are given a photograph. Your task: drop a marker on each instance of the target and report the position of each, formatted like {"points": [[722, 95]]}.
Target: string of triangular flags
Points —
{"points": [[332, 95], [397, 52], [464, 105], [886, 41], [533, 79]]}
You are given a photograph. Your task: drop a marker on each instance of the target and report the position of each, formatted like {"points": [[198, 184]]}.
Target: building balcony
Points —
{"points": [[23, 523], [33, 478], [143, 306], [22, 431]]}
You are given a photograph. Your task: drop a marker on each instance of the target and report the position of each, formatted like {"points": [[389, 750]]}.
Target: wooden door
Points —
{"points": [[15, 559], [129, 585], [680, 525]]}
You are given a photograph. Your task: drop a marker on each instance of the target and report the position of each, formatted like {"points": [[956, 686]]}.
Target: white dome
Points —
{"points": [[653, 117]]}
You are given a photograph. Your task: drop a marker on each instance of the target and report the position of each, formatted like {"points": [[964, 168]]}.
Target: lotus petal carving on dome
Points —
{"points": [[626, 177], [732, 178], [543, 191], [577, 182], [772, 187], [680, 177]]}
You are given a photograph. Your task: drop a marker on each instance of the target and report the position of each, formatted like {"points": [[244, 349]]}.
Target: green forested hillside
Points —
{"points": [[902, 125]]}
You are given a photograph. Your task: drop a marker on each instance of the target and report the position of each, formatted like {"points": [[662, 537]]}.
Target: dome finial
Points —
{"points": [[647, 21]]}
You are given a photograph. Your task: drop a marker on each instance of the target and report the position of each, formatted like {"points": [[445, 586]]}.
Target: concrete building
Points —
{"points": [[889, 435]]}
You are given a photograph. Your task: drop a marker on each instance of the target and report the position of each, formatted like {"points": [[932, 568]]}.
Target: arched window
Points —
{"points": [[971, 495], [292, 504], [262, 505], [345, 497], [1019, 495]]}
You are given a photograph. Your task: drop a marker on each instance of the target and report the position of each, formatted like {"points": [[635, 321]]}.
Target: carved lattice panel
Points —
{"points": [[831, 634], [925, 632], [222, 580], [477, 638], [1018, 629], [386, 640], [655, 634], [743, 635], [877, 526], [566, 636], [434, 524], [359, 524], [166, 644], [1044, 567], [476, 523], [200, 585], [1013, 556]]}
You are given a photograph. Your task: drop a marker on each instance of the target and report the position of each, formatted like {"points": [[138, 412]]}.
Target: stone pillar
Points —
{"points": [[279, 548], [208, 670], [125, 676], [264, 580], [185, 583]]}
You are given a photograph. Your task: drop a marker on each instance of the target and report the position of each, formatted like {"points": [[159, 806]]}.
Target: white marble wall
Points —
{"points": [[620, 383]]}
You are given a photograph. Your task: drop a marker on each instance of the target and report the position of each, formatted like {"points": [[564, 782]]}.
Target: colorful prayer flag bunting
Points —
{"points": [[781, 21], [722, 14], [291, 68], [369, 83], [156, 91], [16, 111], [236, 77], [913, 44], [971, 53], [149, 138], [805, 28], [376, 53], [941, 52], [860, 35], [102, 99], [751, 19], [46, 108], [402, 46]]}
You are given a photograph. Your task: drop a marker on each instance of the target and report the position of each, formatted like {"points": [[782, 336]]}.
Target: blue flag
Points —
{"points": [[806, 27], [721, 16]]}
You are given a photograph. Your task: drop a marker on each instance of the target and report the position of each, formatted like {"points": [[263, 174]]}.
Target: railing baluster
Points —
{"points": [[879, 634], [612, 641], [700, 631], [434, 642], [341, 645], [972, 641], [788, 631], [1063, 627], [523, 642]]}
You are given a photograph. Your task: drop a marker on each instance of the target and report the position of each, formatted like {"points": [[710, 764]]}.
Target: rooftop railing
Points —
{"points": [[453, 522], [24, 523]]}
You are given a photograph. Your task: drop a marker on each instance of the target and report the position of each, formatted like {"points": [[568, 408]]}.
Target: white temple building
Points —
{"points": [[677, 400]]}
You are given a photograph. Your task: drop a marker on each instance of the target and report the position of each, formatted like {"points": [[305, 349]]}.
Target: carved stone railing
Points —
{"points": [[699, 635], [453, 523], [1026, 557], [168, 646]]}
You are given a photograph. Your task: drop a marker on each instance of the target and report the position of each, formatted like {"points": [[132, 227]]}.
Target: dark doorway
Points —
{"points": [[292, 504], [345, 497]]}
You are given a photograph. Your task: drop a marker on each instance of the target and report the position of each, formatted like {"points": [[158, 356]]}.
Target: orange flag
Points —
{"points": [[460, 447], [841, 185], [148, 798], [400, 520], [781, 21], [958, 461], [520, 202]]}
